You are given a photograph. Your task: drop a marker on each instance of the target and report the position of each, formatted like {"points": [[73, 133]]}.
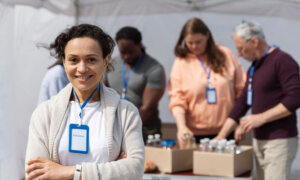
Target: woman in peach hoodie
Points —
{"points": [[205, 80]]}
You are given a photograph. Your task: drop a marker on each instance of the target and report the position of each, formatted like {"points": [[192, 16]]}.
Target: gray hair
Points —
{"points": [[246, 30]]}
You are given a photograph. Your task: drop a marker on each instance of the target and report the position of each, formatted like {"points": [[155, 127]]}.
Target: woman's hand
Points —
{"points": [[123, 155], [41, 168], [218, 138], [181, 136]]}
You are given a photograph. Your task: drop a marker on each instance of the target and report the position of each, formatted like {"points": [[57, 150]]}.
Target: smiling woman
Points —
{"points": [[80, 133], [84, 65]]}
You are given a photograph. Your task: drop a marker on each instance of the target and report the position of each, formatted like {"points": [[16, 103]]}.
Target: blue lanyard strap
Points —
{"points": [[86, 101], [207, 70], [269, 48], [252, 67], [250, 91], [252, 71], [267, 51], [251, 77], [126, 80]]}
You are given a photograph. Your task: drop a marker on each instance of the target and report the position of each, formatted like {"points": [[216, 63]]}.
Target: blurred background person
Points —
{"points": [[272, 91], [138, 78], [81, 132], [205, 80], [54, 80]]}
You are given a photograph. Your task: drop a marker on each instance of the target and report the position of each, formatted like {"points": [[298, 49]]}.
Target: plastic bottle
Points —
{"points": [[150, 141], [230, 147], [190, 140], [212, 145], [221, 146], [156, 141], [203, 145]]}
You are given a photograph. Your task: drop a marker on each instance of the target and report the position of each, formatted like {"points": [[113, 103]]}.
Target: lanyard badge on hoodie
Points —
{"points": [[211, 94], [79, 133], [250, 89], [126, 80]]}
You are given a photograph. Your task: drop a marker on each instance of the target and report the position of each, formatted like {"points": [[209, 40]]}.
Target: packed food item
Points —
{"points": [[168, 144], [190, 140], [150, 140], [153, 140], [150, 167], [221, 146]]}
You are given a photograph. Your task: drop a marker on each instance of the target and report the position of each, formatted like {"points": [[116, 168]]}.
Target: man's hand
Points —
{"points": [[239, 134], [252, 121], [227, 128]]}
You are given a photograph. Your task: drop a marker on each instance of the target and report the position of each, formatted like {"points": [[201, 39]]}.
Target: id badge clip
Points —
{"points": [[249, 97], [123, 96], [211, 96], [79, 138]]}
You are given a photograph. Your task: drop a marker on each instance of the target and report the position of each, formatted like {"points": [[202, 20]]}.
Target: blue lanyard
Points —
{"points": [[207, 70], [252, 67], [86, 101], [251, 76], [126, 80], [267, 51]]}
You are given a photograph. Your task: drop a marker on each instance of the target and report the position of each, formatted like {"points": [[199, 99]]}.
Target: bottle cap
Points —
{"points": [[150, 136], [157, 136]]}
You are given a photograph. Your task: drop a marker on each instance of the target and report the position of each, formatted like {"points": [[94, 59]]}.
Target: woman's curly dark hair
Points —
{"points": [[57, 48]]}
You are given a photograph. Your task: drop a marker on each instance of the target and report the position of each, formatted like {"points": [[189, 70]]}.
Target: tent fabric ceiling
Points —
{"points": [[67, 7], [288, 9], [272, 8]]}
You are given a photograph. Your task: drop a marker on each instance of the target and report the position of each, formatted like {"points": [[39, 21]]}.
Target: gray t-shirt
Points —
{"points": [[149, 73]]}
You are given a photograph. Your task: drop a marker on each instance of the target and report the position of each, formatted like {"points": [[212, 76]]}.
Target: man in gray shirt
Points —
{"points": [[138, 78]]}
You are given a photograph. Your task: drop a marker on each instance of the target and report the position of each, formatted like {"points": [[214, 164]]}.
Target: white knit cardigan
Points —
{"points": [[123, 132]]}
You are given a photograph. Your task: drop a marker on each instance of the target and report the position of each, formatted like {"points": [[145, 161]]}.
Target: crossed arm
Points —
{"points": [[39, 164]]}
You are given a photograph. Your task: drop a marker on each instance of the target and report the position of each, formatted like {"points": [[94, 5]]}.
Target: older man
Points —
{"points": [[272, 91]]}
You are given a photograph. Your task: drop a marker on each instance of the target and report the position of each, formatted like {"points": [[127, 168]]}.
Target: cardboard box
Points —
{"points": [[223, 164], [169, 161]]}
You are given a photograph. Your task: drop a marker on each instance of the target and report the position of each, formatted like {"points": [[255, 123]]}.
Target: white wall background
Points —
{"points": [[23, 65]]}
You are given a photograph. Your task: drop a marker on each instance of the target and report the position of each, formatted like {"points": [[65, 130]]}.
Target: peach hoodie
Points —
{"points": [[187, 92]]}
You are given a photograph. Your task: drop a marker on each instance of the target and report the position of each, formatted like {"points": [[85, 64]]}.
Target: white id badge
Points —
{"points": [[249, 97], [211, 95], [79, 139]]}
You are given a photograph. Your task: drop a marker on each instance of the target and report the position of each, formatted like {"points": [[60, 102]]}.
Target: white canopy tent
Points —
{"points": [[26, 23]]}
